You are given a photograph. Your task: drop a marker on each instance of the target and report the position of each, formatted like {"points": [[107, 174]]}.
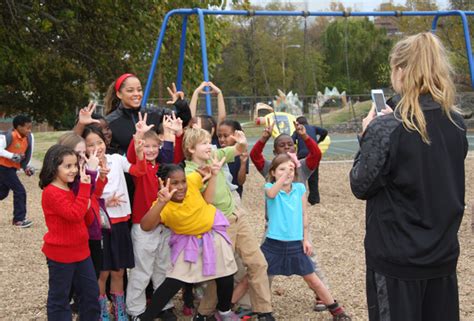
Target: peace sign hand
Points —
{"points": [[206, 172], [240, 140], [300, 129], [175, 94], [92, 161], [115, 201], [86, 179], [176, 124], [103, 170], [85, 114], [267, 132], [141, 127], [216, 164], [164, 194]]}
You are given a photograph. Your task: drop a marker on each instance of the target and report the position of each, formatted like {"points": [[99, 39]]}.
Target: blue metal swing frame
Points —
{"points": [[202, 12]]}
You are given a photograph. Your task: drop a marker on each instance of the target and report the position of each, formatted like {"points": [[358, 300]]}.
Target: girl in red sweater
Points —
{"points": [[66, 242]]}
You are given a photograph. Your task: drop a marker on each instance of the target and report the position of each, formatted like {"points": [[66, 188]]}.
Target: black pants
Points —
{"points": [[167, 290], [390, 299], [10, 181], [61, 277], [313, 182]]}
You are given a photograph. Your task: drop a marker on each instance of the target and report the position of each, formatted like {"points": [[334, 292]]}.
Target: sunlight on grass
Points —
{"points": [[43, 141]]}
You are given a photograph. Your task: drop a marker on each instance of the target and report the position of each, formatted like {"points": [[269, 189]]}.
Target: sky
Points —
{"points": [[360, 5]]}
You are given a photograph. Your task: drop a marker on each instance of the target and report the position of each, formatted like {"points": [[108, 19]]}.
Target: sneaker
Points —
{"points": [[200, 317], [244, 313], [167, 315], [265, 317], [341, 317], [319, 306], [23, 224], [230, 316]]}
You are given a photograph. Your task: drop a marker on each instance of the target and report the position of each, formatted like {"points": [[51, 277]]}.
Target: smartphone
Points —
{"points": [[379, 99]]}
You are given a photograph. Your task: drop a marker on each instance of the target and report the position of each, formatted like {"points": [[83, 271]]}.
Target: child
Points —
{"points": [[197, 149], [66, 242], [91, 163], [117, 243], [239, 168], [284, 144], [208, 122], [151, 249], [200, 247], [286, 246], [16, 148]]}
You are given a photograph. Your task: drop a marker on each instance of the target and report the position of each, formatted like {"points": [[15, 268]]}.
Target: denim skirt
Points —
{"points": [[286, 258]]}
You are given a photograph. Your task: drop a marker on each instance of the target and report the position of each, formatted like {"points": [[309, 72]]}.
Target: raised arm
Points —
{"points": [[221, 112], [85, 118], [195, 98], [256, 154]]}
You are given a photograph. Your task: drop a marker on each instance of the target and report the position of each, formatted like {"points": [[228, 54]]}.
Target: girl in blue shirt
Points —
{"points": [[286, 246]]}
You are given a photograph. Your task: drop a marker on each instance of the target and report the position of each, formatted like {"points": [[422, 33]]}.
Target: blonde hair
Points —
{"points": [[426, 70], [70, 140], [151, 134], [192, 137]]}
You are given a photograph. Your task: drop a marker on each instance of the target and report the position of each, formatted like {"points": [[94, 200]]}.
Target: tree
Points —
{"points": [[60, 51], [367, 50]]}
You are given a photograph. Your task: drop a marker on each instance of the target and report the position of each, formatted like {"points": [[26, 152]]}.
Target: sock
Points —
{"points": [[225, 313]]}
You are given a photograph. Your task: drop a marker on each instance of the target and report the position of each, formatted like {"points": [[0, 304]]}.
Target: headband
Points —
{"points": [[121, 79]]}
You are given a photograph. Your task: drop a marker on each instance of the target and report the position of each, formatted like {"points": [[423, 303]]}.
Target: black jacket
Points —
{"points": [[122, 122], [414, 193]]}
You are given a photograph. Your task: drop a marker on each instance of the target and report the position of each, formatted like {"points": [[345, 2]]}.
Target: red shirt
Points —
{"points": [[67, 239], [146, 185]]}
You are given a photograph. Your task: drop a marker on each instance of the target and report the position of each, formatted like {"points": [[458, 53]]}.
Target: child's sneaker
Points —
{"points": [[200, 317], [226, 316], [265, 317], [23, 224], [319, 306], [338, 313], [244, 313]]}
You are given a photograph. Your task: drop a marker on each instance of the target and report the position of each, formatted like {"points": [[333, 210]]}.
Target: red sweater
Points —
{"points": [[312, 160], [146, 184], [67, 239]]}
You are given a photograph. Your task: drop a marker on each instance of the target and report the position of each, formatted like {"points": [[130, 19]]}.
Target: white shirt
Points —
{"points": [[118, 164]]}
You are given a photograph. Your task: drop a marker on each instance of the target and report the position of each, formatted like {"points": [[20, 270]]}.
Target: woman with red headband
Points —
{"points": [[123, 102]]}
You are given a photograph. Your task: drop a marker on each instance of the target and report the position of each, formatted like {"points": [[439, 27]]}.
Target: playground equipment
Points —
{"points": [[253, 13]]}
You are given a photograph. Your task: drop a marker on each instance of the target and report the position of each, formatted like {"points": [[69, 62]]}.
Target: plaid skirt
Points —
{"points": [[286, 258]]}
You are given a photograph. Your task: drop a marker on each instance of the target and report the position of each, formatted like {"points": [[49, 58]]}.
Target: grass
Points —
{"points": [[43, 141], [345, 114]]}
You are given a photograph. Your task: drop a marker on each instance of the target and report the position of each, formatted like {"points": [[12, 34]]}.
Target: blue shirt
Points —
{"points": [[285, 213]]}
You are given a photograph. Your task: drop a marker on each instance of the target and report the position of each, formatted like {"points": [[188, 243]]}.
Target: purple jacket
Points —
{"points": [[190, 245], [95, 232]]}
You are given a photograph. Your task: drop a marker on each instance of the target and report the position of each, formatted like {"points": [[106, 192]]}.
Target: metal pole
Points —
{"points": [[156, 55], [467, 37], [202, 31], [182, 47]]}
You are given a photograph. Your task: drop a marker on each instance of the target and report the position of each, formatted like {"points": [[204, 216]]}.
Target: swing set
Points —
{"points": [[185, 13]]}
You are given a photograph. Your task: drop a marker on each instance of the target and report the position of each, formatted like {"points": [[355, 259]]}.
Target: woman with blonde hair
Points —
{"points": [[410, 169]]}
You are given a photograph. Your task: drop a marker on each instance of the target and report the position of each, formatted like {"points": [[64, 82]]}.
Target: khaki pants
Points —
{"points": [[247, 246]]}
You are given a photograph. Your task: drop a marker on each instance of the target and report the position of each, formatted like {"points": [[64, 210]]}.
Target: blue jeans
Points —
{"points": [[61, 277], [10, 181]]}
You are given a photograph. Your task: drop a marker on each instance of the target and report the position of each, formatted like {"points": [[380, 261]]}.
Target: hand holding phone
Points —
{"points": [[379, 99]]}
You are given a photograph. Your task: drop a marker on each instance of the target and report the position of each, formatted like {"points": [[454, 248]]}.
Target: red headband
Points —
{"points": [[121, 79]]}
